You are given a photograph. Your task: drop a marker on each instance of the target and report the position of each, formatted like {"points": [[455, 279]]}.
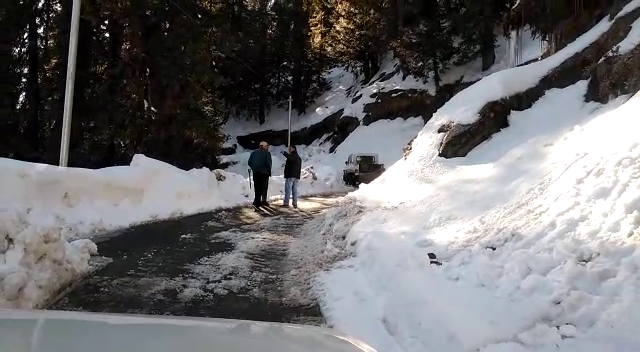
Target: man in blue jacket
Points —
{"points": [[260, 164]]}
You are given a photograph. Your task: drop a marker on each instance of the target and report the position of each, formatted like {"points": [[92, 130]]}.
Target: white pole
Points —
{"points": [[289, 132], [71, 75]]}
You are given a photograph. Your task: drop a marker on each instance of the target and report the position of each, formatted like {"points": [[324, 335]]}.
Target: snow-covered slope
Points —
{"points": [[537, 230], [387, 137], [345, 86]]}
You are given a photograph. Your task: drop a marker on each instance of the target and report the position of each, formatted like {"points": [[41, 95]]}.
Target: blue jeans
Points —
{"points": [[291, 188]]}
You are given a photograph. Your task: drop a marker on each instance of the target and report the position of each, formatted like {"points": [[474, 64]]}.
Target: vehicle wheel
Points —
{"points": [[349, 180], [354, 181]]}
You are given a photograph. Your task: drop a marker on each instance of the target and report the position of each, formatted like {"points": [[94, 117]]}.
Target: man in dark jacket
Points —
{"points": [[292, 169], [260, 164]]}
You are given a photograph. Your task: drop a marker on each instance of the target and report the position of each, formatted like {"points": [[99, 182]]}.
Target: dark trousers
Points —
{"points": [[261, 185]]}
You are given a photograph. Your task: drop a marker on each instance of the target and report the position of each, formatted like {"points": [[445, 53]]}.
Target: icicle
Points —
{"points": [[519, 46]]}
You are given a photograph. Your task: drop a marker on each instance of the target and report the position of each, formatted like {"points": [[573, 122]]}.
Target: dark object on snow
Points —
{"points": [[433, 259]]}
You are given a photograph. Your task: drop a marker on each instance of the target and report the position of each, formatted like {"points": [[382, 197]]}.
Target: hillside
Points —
{"points": [[525, 189], [353, 116]]}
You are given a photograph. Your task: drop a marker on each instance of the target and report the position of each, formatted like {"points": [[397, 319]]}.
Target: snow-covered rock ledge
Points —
{"points": [[475, 114]]}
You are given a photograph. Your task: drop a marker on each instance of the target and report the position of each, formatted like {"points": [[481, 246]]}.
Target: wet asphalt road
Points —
{"points": [[227, 264]]}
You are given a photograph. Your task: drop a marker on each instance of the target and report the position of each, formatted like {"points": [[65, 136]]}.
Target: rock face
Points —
{"points": [[616, 75], [388, 105], [337, 127], [459, 140], [396, 103], [401, 103], [304, 136], [345, 125]]}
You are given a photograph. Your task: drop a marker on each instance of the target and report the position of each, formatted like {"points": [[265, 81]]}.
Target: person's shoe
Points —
{"points": [[295, 207], [257, 205], [285, 205], [265, 203]]}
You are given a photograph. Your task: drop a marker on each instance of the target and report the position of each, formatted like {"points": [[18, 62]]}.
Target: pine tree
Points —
{"points": [[357, 37], [425, 46]]}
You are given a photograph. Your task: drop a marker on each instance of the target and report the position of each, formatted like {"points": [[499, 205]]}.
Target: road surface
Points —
{"points": [[229, 264]]}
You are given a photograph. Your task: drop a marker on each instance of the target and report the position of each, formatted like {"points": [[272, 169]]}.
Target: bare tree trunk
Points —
{"points": [[115, 44], [33, 80], [487, 38]]}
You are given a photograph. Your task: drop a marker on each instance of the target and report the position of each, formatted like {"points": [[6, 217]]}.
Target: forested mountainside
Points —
{"points": [[162, 77]]}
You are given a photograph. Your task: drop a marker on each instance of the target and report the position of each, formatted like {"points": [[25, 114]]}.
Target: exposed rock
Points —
{"points": [[336, 127], [408, 148], [396, 103], [445, 93], [345, 125], [229, 150], [459, 140], [387, 76], [399, 103], [616, 75], [445, 128], [304, 136], [227, 164]]}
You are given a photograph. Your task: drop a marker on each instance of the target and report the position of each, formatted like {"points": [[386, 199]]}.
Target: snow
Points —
{"points": [[464, 107], [333, 100], [632, 39], [632, 5], [48, 214], [537, 230], [384, 137], [345, 86], [328, 166]]}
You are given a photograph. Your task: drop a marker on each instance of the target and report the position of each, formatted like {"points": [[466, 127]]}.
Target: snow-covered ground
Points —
{"points": [[537, 229], [48, 214]]}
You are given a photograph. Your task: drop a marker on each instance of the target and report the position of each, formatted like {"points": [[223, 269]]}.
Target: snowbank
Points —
{"points": [[35, 259], [44, 210], [86, 201], [537, 231]]}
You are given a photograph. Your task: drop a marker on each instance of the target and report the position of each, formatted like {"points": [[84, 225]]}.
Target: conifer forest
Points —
{"points": [[161, 77]]}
